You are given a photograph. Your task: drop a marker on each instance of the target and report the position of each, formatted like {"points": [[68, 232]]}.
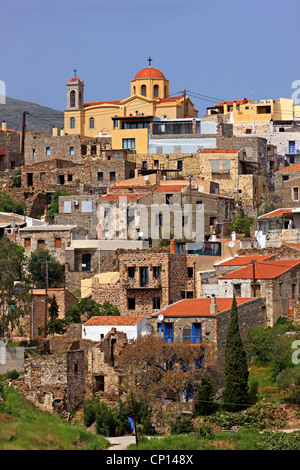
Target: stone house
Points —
{"points": [[279, 226], [54, 238], [277, 281], [39, 315], [205, 322], [97, 327], [10, 149]]}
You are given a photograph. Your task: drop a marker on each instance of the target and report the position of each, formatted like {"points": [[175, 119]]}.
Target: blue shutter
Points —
{"points": [[168, 332], [196, 333]]}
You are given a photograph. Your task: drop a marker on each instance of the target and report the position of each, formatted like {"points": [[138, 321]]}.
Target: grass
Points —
{"points": [[24, 427], [241, 440]]}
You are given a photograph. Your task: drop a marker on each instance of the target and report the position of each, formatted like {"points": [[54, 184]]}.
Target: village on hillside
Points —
{"points": [[140, 241]]}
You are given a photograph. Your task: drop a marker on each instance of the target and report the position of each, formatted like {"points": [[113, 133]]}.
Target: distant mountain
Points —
{"points": [[39, 119]]}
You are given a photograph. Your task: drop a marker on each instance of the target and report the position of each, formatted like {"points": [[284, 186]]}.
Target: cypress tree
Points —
{"points": [[236, 367]]}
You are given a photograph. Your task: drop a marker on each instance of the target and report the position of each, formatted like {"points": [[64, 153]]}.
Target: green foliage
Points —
{"points": [[108, 309], [7, 204], [16, 177], [13, 374], [242, 225], [204, 430], [279, 441], [289, 379], [53, 209], [204, 401], [88, 308], [55, 324], [182, 426], [235, 394], [37, 269]]}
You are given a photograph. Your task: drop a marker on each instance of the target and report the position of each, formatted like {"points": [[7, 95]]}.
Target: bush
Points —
{"points": [[204, 430], [289, 379], [7, 204], [13, 374], [242, 225], [182, 426], [279, 441]]}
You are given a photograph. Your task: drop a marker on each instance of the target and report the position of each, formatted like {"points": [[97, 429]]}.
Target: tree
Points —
{"points": [[55, 202], [88, 308], [158, 369], [204, 401], [55, 324], [14, 294], [108, 309], [236, 368], [7, 204], [242, 225], [37, 269]]}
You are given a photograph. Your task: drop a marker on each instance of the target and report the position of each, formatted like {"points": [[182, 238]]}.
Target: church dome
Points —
{"points": [[74, 79], [150, 72]]}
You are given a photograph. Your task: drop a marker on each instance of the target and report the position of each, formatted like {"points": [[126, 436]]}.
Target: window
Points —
{"points": [[93, 149], [131, 303], [215, 166], [169, 199], [144, 277], [131, 272], [196, 333], [27, 242], [57, 242], [33, 152], [72, 99], [168, 332], [99, 383], [295, 193], [83, 149], [112, 176], [128, 143], [72, 123], [67, 207], [156, 303], [86, 262], [156, 272], [198, 205], [185, 220], [41, 244], [70, 178], [71, 150], [190, 273], [143, 90], [226, 166], [48, 151], [144, 165], [87, 206], [158, 220], [115, 123], [237, 289], [100, 175], [156, 163], [61, 179], [179, 165], [155, 91], [92, 123]]}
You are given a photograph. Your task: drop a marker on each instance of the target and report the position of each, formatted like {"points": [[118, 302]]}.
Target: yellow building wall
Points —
{"points": [[79, 122], [102, 119], [163, 87], [140, 136]]}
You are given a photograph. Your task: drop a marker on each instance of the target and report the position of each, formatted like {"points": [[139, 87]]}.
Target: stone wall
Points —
{"points": [[11, 359], [10, 150]]}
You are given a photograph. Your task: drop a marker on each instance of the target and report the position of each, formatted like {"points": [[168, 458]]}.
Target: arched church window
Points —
{"points": [[155, 91], [72, 99], [92, 123], [72, 123], [144, 90]]}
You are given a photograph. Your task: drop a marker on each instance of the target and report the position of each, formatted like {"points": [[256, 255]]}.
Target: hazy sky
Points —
{"points": [[221, 49]]}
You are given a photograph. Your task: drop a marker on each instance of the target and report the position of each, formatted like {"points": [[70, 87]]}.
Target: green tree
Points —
{"points": [[108, 309], [204, 401], [7, 204], [37, 269], [83, 310], [236, 368], [53, 209], [242, 225], [14, 295], [55, 324]]}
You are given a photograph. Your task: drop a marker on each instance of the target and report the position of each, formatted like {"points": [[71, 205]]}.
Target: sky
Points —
{"points": [[221, 49]]}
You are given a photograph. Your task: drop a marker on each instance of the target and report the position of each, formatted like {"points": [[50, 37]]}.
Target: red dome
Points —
{"points": [[74, 79], [150, 72]]}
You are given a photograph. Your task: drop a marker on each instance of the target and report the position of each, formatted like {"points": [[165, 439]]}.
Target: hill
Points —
{"points": [[40, 118]]}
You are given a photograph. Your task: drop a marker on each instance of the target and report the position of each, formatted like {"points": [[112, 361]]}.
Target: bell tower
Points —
{"points": [[75, 94]]}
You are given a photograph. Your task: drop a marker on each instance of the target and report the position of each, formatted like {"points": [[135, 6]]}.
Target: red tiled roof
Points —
{"points": [[290, 168], [293, 245], [230, 103], [220, 150], [149, 72], [198, 307], [174, 188], [263, 270], [121, 320], [243, 260], [117, 196], [74, 79], [276, 213]]}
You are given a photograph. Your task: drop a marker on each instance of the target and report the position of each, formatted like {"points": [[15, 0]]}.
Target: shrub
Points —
{"points": [[182, 426], [279, 441], [289, 379], [13, 374], [204, 430]]}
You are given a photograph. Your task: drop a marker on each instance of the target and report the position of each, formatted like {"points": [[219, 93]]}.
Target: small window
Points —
{"points": [[33, 152], [61, 179], [115, 123], [41, 244], [128, 143], [112, 176], [190, 272], [169, 199], [179, 165], [156, 303], [100, 175], [131, 272], [92, 123], [237, 289], [143, 90], [295, 193], [72, 99], [155, 91], [27, 242], [156, 163], [156, 272], [131, 303], [70, 178], [71, 150], [57, 242], [72, 123], [48, 151]]}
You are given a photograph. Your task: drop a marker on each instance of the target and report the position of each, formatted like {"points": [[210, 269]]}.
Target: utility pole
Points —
{"points": [[254, 280], [134, 420], [184, 103], [46, 299]]}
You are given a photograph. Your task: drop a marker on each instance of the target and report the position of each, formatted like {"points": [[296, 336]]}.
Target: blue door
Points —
{"points": [[292, 146], [196, 333], [168, 332]]}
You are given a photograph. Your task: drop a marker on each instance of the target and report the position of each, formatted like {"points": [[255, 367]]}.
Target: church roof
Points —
{"points": [[150, 72]]}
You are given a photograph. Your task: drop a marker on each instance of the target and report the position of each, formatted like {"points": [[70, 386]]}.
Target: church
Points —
{"points": [[149, 99]]}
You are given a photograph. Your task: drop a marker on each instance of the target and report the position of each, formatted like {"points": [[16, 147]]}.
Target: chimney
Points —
{"points": [[62, 132], [233, 236], [54, 131], [4, 126], [213, 306], [173, 246]]}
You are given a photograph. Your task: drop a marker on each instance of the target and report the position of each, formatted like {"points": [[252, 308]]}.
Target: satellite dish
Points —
{"points": [[141, 234], [231, 244], [160, 318], [146, 178]]}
